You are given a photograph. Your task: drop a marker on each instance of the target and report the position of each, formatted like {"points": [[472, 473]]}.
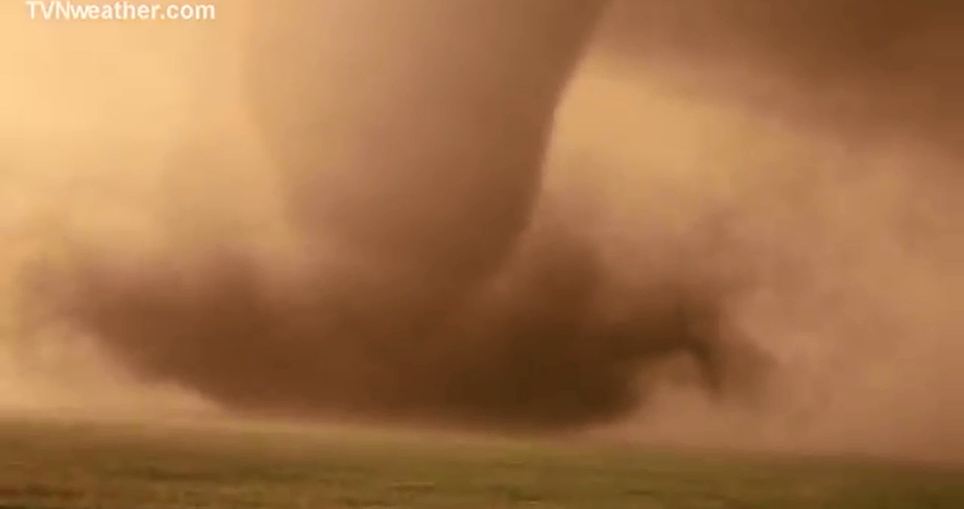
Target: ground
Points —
{"points": [[61, 464]]}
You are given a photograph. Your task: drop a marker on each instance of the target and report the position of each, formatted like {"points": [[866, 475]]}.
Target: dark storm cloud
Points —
{"points": [[877, 69]]}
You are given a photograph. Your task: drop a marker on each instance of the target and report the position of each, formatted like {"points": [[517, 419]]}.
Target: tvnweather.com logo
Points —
{"points": [[123, 10]]}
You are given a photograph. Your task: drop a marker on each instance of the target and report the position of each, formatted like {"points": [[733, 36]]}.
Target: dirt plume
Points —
{"points": [[410, 163]]}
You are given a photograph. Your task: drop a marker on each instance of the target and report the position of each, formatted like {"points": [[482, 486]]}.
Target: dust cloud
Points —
{"points": [[669, 221]]}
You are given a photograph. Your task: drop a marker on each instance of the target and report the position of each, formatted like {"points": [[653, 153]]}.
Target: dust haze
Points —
{"points": [[686, 222]]}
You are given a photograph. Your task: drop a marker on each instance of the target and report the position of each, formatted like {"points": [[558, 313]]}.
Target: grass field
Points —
{"points": [[47, 464]]}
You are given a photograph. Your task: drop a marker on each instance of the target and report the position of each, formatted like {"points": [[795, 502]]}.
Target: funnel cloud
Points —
{"points": [[417, 155]]}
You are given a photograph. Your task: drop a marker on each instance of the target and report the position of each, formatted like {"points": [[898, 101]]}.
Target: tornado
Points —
{"points": [[412, 132], [408, 138]]}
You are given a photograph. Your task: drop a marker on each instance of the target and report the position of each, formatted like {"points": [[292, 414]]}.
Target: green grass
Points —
{"points": [[46, 464]]}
